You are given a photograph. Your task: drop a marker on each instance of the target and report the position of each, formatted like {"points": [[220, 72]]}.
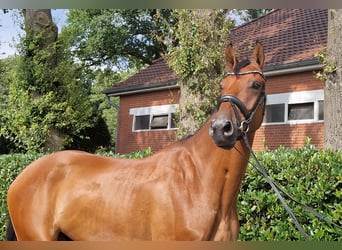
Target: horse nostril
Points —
{"points": [[228, 128], [222, 126], [223, 132]]}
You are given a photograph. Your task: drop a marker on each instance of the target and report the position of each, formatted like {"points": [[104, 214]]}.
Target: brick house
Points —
{"points": [[295, 98], [148, 101]]}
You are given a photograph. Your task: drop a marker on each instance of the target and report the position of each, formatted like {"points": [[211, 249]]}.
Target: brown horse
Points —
{"points": [[187, 191]]}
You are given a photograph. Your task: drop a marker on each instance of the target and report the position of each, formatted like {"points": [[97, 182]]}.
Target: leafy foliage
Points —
{"points": [[197, 59], [311, 176], [122, 38], [48, 107], [328, 67], [251, 14]]}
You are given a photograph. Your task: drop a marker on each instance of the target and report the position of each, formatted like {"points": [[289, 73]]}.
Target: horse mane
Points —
{"points": [[241, 65], [185, 137]]}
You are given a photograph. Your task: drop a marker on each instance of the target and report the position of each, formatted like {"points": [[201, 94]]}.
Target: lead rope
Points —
{"points": [[276, 189]]}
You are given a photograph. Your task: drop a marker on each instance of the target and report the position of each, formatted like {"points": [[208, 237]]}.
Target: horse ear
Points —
{"points": [[231, 59], [259, 55]]}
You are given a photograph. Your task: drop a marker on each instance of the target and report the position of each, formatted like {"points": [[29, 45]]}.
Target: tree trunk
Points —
{"points": [[333, 84], [39, 23]]}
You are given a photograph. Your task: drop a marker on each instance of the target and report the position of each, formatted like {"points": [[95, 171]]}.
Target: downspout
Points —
{"points": [[111, 103]]}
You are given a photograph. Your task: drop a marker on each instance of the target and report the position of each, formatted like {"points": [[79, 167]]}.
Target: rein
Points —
{"points": [[244, 128]]}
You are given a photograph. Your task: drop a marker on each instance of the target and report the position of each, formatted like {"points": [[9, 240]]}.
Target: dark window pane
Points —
{"points": [[142, 122], [320, 110], [274, 113], [301, 111], [159, 122], [174, 120]]}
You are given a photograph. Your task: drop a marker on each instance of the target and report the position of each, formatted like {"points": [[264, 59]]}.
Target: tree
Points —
{"points": [[197, 58], [120, 38], [333, 83], [110, 45], [250, 14], [5, 64], [48, 106]]}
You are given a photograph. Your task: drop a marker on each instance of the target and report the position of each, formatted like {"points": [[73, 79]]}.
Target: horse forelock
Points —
{"points": [[241, 65]]}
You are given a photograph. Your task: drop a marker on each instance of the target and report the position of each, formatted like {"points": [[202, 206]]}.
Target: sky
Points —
{"points": [[10, 29]]}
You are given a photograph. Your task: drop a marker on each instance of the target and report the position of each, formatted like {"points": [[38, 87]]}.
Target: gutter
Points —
{"points": [[291, 68], [142, 89]]}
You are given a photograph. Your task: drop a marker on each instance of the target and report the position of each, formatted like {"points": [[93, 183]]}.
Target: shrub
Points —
{"points": [[311, 176]]}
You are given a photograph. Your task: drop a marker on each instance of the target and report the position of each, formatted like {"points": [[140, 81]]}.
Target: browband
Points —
{"points": [[229, 73]]}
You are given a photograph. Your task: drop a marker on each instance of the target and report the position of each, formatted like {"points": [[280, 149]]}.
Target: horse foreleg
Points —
{"points": [[30, 233], [28, 230], [228, 229]]}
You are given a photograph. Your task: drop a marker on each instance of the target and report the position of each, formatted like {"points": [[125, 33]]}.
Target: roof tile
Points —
{"points": [[156, 73], [288, 35]]}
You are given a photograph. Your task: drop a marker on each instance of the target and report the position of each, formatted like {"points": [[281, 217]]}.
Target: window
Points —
{"points": [[301, 111], [274, 113], [159, 122], [154, 117], [295, 107], [142, 122]]}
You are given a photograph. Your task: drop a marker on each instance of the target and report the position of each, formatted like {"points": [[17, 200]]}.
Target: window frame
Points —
{"points": [[292, 98]]}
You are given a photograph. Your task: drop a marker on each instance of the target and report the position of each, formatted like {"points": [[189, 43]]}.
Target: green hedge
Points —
{"points": [[312, 176]]}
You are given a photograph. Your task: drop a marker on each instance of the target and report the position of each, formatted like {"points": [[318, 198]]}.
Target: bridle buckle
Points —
{"points": [[244, 127]]}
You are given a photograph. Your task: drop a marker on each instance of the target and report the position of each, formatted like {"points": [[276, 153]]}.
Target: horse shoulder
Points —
{"points": [[188, 195]]}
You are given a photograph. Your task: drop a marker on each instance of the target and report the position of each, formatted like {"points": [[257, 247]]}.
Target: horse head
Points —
{"points": [[242, 102]]}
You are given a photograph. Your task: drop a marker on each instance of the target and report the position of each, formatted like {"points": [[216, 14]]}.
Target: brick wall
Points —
{"points": [[272, 136], [129, 141], [288, 135], [292, 83]]}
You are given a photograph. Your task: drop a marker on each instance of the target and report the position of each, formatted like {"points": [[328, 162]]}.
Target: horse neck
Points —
{"points": [[214, 163]]}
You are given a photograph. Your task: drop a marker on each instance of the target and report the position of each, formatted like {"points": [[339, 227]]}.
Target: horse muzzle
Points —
{"points": [[223, 131]]}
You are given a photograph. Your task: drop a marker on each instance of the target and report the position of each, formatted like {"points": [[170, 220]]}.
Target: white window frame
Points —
{"points": [[152, 111], [311, 96]]}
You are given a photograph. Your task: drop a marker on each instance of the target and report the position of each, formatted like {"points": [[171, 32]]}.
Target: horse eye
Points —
{"points": [[256, 85]]}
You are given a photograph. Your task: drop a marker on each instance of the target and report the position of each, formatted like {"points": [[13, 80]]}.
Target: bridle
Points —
{"points": [[235, 102], [243, 126]]}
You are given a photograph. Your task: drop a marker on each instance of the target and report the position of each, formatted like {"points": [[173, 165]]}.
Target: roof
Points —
{"points": [[289, 36], [155, 76]]}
